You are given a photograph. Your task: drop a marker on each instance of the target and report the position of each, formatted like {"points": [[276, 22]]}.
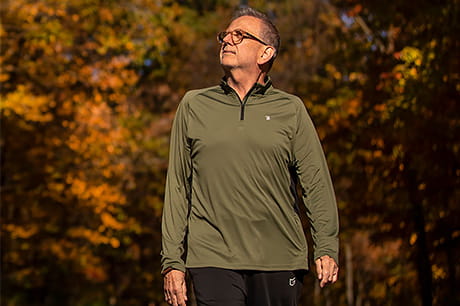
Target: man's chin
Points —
{"points": [[226, 65]]}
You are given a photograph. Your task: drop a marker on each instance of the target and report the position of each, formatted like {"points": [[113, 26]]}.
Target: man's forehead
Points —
{"points": [[247, 23]]}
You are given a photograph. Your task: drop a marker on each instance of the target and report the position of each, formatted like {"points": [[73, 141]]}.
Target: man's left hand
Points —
{"points": [[327, 270]]}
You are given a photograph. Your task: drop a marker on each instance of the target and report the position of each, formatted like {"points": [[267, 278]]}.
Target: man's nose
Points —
{"points": [[228, 39]]}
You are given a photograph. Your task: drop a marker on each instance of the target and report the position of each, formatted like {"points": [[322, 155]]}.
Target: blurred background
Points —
{"points": [[89, 89]]}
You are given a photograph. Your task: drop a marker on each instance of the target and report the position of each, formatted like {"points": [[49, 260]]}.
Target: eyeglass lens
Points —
{"points": [[237, 36]]}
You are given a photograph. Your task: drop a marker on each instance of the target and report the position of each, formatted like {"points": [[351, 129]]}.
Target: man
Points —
{"points": [[230, 205]]}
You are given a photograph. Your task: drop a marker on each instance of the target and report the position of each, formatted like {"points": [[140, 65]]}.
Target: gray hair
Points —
{"points": [[270, 33]]}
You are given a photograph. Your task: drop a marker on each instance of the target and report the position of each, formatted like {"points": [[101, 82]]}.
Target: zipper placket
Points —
{"points": [[242, 110], [245, 100]]}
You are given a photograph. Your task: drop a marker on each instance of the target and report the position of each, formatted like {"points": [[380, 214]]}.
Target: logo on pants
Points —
{"points": [[292, 282]]}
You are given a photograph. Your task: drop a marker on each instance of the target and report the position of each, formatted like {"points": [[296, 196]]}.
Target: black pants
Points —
{"points": [[222, 287]]}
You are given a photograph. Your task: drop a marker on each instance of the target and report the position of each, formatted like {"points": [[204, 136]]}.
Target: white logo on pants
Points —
{"points": [[292, 282]]}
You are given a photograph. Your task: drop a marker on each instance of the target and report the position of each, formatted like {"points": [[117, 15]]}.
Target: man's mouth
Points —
{"points": [[228, 52]]}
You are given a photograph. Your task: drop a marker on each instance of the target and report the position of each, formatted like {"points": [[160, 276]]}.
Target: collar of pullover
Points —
{"points": [[256, 89]]}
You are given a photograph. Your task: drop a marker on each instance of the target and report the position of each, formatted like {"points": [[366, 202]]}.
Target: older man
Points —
{"points": [[230, 215]]}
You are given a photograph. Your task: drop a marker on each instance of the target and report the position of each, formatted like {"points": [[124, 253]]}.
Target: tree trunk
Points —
{"points": [[422, 257], [451, 264], [359, 296]]}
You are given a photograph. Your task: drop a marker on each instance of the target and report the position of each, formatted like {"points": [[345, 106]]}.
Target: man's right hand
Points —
{"points": [[175, 288]]}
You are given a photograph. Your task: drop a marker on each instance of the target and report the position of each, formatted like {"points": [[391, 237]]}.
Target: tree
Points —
{"points": [[86, 112], [403, 131]]}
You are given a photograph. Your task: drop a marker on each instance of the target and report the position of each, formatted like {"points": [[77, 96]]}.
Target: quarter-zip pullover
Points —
{"points": [[230, 198]]}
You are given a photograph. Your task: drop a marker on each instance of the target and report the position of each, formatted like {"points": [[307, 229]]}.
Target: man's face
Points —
{"points": [[245, 54]]}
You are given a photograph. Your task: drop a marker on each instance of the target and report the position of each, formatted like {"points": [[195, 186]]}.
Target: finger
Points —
{"points": [[323, 282], [326, 267], [331, 272], [333, 268], [184, 290], [334, 278], [167, 297], [180, 299], [319, 269], [178, 293], [174, 300], [326, 276], [335, 272], [172, 295], [167, 294], [327, 271]]}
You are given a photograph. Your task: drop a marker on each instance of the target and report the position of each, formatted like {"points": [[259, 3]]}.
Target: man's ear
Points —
{"points": [[266, 55]]}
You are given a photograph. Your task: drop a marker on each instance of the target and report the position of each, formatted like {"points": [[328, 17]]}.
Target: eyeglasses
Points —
{"points": [[238, 36]]}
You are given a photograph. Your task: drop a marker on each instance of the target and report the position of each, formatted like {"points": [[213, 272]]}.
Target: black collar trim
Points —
{"points": [[257, 88]]}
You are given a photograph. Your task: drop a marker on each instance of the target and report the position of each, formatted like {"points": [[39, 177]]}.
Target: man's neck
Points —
{"points": [[243, 82]]}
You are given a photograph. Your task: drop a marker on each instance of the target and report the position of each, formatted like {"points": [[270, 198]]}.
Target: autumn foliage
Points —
{"points": [[88, 92]]}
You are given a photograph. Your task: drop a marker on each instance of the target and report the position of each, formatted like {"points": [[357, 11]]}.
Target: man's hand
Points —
{"points": [[327, 270], [175, 288]]}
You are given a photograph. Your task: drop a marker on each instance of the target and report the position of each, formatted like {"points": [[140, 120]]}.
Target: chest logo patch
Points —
{"points": [[267, 117]]}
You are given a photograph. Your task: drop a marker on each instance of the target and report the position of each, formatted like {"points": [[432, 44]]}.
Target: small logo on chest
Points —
{"points": [[267, 117]]}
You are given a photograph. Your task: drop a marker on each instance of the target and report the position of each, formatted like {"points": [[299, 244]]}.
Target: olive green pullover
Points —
{"points": [[230, 201]]}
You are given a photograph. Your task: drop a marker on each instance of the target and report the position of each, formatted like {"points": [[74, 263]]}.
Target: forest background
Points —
{"points": [[89, 89]]}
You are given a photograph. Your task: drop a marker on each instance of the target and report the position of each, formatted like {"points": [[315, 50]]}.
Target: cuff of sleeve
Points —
{"points": [[333, 255], [326, 245], [174, 266]]}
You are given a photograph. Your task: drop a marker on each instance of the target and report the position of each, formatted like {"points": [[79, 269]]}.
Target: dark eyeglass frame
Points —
{"points": [[240, 35]]}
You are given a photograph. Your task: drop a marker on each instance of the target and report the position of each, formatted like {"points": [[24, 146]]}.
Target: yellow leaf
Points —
{"points": [[27, 105], [413, 239], [438, 272], [111, 222], [115, 242], [22, 232], [4, 77]]}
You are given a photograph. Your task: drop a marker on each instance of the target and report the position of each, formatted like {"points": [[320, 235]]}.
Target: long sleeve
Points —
{"points": [[317, 190], [177, 191]]}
